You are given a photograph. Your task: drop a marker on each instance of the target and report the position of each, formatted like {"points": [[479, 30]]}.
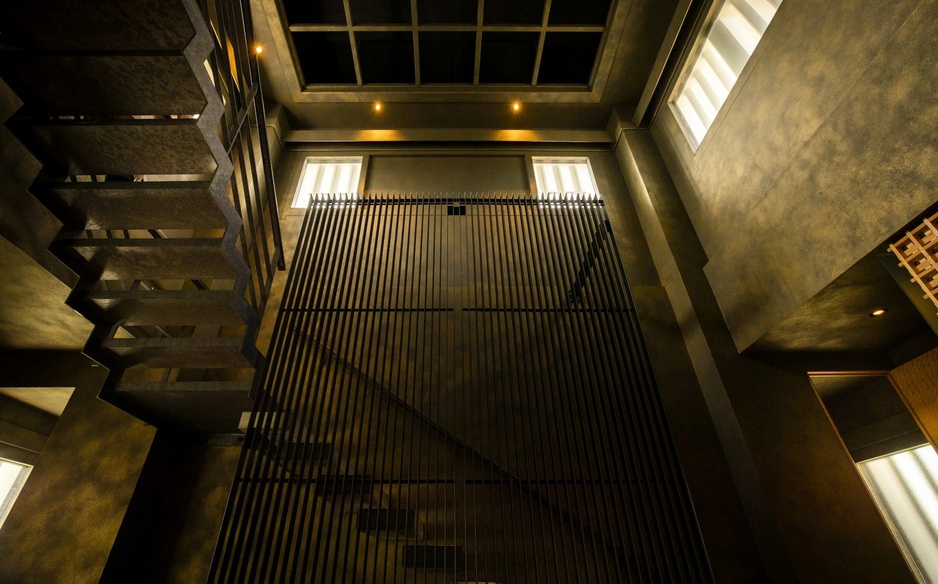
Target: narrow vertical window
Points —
{"points": [[720, 56], [564, 178], [12, 477], [328, 178]]}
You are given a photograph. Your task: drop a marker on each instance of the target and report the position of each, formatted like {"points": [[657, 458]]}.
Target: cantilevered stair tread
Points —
{"points": [[104, 85], [434, 557], [168, 307], [152, 259], [124, 147], [139, 205], [395, 521], [181, 352]]}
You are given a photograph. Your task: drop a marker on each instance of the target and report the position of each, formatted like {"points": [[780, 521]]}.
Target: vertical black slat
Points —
{"points": [[521, 248], [495, 363], [429, 382], [259, 112], [261, 470], [293, 396], [660, 501], [361, 358], [583, 333], [398, 367], [540, 277], [461, 258], [703, 567], [555, 243], [248, 225], [293, 393], [325, 330], [512, 372], [221, 556], [474, 391], [585, 440], [374, 369], [301, 358], [343, 384], [612, 334], [233, 183], [609, 357], [257, 224], [444, 363], [400, 218], [586, 232], [482, 347]]}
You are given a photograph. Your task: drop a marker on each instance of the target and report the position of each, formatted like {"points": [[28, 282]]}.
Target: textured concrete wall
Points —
{"points": [[812, 516], [23, 430], [917, 383], [66, 518], [824, 149]]}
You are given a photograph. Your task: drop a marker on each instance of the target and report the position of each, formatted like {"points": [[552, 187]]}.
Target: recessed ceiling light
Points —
{"points": [[879, 312], [378, 106], [258, 49], [516, 106]]}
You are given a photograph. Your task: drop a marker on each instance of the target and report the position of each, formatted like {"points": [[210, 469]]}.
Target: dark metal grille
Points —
{"points": [[458, 398]]}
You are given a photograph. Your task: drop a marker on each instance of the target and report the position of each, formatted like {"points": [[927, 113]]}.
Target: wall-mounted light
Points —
{"points": [[516, 106], [879, 312], [258, 49], [378, 106]]}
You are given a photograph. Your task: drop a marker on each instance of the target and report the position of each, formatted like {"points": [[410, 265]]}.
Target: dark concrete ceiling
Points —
{"points": [[570, 81]]}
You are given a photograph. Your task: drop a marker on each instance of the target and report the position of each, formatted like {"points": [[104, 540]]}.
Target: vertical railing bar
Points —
{"points": [[521, 246], [325, 382], [256, 200], [478, 352], [363, 320], [343, 384], [515, 373], [558, 242], [542, 279], [247, 227]]}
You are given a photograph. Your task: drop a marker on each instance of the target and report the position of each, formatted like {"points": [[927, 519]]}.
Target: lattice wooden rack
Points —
{"points": [[918, 252]]}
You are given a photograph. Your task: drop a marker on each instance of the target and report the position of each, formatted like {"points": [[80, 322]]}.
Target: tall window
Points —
{"points": [[328, 178], [564, 178], [721, 55], [12, 477], [905, 487]]}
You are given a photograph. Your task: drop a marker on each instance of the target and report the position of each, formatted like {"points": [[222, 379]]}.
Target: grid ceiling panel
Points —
{"points": [[450, 42]]}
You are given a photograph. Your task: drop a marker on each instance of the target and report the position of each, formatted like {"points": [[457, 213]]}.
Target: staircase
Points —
{"points": [[149, 122]]}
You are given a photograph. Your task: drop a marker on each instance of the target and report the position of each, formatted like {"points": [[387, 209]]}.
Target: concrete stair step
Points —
{"points": [[149, 259], [97, 25], [182, 352], [116, 205], [396, 521], [119, 147], [103, 84], [168, 307], [332, 485]]}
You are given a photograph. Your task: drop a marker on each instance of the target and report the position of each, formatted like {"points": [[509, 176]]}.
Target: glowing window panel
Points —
{"points": [[726, 47], [12, 477], [328, 179], [564, 179]]}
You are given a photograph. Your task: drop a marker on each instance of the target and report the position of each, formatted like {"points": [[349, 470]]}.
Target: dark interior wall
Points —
{"points": [[168, 534], [824, 148], [65, 520], [810, 512]]}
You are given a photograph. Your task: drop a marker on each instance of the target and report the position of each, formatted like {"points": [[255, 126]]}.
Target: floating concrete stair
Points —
{"points": [[129, 105], [394, 523], [331, 485], [136, 205]]}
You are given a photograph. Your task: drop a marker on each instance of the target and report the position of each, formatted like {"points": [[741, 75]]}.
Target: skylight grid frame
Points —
{"points": [[722, 51], [415, 28]]}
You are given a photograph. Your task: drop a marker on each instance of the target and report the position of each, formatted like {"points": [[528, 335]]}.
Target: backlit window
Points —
{"points": [[564, 178], [328, 178], [725, 49], [12, 477]]}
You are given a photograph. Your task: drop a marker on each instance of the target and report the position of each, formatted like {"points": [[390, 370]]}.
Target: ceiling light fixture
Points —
{"points": [[516, 106], [258, 49], [378, 106], [879, 312]]}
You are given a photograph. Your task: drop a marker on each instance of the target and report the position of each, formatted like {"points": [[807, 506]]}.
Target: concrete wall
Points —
{"points": [[23, 430], [812, 517], [916, 381], [64, 522], [824, 149]]}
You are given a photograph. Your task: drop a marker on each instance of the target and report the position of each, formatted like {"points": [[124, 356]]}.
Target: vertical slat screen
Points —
{"points": [[458, 391]]}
